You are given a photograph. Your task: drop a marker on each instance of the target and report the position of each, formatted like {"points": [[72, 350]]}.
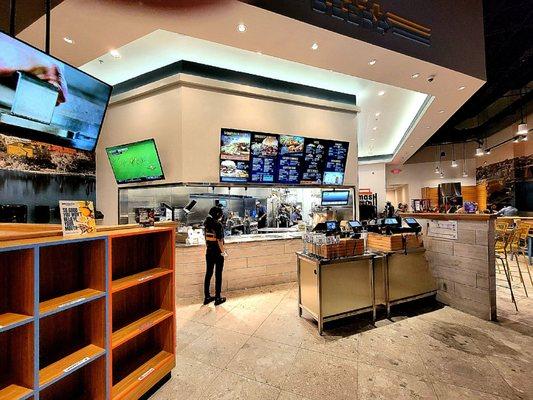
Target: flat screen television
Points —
{"points": [[47, 100], [135, 162], [335, 198]]}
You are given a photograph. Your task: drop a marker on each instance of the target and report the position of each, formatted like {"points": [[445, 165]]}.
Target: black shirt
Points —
{"points": [[214, 232]]}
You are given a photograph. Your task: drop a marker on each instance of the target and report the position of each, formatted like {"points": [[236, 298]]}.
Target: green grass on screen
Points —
{"points": [[137, 160]]}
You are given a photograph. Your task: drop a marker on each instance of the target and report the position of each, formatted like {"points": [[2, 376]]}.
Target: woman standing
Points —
{"points": [[214, 256]]}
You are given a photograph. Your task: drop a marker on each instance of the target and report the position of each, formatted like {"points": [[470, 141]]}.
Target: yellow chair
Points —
{"points": [[503, 238], [514, 251]]}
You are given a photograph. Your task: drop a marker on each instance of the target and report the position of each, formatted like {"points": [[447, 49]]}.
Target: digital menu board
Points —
{"points": [[264, 151], [290, 159], [315, 152], [258, 157], [337, 154], [234, 156]]}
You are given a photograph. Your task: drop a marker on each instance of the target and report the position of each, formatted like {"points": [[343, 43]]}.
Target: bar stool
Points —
{"points": [[514, 250], [521, 247], [502, 240]]}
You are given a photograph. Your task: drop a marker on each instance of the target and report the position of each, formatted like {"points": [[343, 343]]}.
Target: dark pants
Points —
{"points": [[215, 262]]}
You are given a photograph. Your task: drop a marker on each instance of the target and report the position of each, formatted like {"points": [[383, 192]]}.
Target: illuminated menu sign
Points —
{"points": [[264, 158], [337, 155], [315, 152], [234, 156], [290, 159]]}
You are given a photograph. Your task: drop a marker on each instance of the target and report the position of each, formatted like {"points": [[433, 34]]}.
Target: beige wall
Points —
{"points": [[372, 176], [185, 114]]}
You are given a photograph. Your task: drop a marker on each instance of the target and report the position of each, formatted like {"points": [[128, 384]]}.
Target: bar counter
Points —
{"points": [[252, 261]]}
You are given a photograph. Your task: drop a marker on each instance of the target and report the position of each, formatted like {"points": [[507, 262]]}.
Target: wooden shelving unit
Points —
{"points": [[142, 310], [87, 318]]}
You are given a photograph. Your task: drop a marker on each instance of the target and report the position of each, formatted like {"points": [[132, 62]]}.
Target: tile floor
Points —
{"points": [[256, 347]]}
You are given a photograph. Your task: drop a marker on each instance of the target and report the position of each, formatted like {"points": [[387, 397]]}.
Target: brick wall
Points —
{"points": [[247, 265], [465, 267]]}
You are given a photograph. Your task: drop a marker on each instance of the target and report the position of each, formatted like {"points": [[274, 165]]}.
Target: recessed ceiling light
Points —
{"points": [[242, 28], [373, 139], [411, 146], [461, 88], [381, 93], [259, 52], [428, 127], [377, 114], [441, 111], [372, 62], [114, 53], [68, 40], [314, 46], [375, 128], [415, 75]]}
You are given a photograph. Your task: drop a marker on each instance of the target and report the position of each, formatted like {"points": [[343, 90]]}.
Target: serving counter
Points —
{"points": [[252, 261], [336, 288]]}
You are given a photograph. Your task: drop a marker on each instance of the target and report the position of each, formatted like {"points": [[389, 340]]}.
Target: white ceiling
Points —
{"points": [[397, 107], [150, 38]]}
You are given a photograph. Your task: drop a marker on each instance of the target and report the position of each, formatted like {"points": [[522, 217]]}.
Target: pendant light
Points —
{"points": [[465, 174], [479, 150], [454, 162], [437, 169]]}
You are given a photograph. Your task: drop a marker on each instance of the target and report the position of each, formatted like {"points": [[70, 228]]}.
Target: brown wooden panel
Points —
{"points": [[16, 282], [469, 193], [16, 359]]}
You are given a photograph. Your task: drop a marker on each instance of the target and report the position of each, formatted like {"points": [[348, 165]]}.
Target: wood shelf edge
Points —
{"points": [[139, 278], [15, 392], [146, 376], [69, 364], [13, 320], [69, 300], [139, 326]]}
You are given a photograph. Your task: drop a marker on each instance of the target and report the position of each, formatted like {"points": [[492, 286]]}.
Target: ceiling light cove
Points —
{"points": [[242, 28]]}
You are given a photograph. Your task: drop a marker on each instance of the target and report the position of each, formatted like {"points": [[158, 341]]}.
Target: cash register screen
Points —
{"points": [[411, 221], [354, 224], [391, 221], [331, 226]]}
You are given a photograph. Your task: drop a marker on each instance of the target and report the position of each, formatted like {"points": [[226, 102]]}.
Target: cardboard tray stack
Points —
{"points": [[345, 248], [396, 242]]}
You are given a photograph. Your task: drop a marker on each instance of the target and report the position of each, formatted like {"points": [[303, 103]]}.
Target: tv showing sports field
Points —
{"points": [[135, 162], [47, 100]]}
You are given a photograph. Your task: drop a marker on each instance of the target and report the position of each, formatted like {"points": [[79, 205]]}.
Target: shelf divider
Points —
{"points": [[69, 364], [138, 278], [67, 301], [137, 327]]}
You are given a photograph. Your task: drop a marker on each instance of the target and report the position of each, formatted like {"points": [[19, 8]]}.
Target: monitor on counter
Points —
{"points": [[47, 100], [335, 197], [135, 162]]}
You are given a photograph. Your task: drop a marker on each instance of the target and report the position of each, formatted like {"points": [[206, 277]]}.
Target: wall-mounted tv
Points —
{"points": [[335, 197], [135, 162], [45, 99], [258, 157]]}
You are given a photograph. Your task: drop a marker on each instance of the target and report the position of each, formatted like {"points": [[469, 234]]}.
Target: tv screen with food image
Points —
{"points": [[45, 99], [264, 155], [135, 162]]}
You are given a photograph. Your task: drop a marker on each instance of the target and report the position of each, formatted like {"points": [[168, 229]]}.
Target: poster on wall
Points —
{"points": [[337, 155], [290, 159], [234, 156], [314, 161], [264, 150], [77, 217]]}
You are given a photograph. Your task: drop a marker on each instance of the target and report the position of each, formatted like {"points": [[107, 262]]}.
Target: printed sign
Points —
{"points": [[77, 217], [442, 229]]}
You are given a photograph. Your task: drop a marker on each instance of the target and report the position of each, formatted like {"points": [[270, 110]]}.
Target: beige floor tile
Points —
{"points": [[242, 320], [263, 361], [385, 348], [445, 391], [290, 396], [228, 386], [207, 315], [320, 377], [287, 306], [262, 302], [337, 346], [518, 374], [284, 329], [188, 331], [383, 384], [189, 380], [216, 347], [462, 369]]}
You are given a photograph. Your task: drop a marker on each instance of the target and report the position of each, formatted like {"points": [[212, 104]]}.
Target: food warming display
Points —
{"points": [[135, 162], [268, 158]]}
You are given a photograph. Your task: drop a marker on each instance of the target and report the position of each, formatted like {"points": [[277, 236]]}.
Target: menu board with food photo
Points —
{"points": [[235, 145], [314, 161], [264, 153], [290, 159], [337, 154], [234, 171]]}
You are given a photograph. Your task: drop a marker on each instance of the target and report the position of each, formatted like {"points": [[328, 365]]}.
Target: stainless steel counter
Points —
{"points": [[260, 237]]}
